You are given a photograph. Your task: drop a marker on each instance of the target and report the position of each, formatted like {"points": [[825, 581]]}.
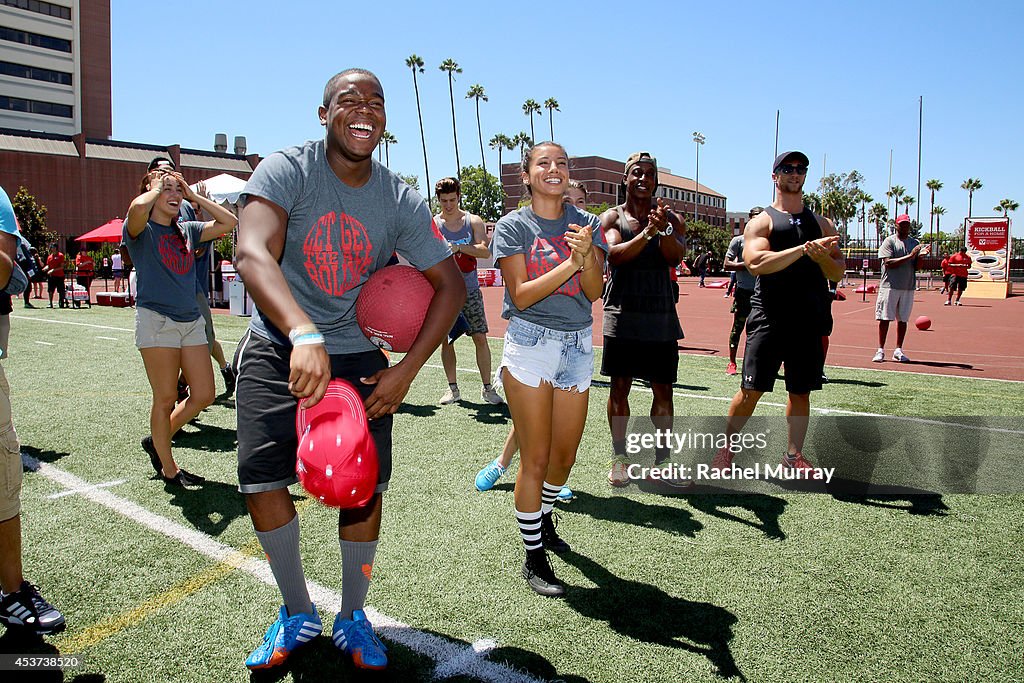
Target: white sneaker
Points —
{"points": [[491, 396], [899, 356], [617, 476], [878, 357], [451, 396]]}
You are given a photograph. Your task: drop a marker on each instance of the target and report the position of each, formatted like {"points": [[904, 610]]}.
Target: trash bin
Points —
{"points": [[238, 298]]}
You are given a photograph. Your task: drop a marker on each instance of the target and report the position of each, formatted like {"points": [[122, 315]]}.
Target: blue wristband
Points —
{"points": [[308, 339]]}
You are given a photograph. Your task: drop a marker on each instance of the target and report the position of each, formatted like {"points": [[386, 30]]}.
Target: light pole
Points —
{"points": [[698, 137]]}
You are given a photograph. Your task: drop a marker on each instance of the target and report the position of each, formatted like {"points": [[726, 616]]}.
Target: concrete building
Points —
{"points": [[603, 178], [55, 118], [55, 66]]}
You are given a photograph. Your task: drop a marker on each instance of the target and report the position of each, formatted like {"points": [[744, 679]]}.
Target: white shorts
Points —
{"points": [[894, 304]]}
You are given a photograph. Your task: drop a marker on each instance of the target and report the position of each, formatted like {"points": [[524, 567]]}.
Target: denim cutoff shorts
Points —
{"points": [[534, 354]]}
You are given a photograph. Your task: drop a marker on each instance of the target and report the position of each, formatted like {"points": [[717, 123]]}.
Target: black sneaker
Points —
{"points": [[27, 608], [539, 575], [154, 457], [230, 378], [185, 480], [182, 389], [549, 537]]}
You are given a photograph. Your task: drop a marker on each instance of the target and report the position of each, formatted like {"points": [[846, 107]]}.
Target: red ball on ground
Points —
{"points": [[923, 322], [337, 458], [392, 305]]}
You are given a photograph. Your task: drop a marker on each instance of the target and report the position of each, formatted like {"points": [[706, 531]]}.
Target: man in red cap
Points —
{"points": [[901, 256]]}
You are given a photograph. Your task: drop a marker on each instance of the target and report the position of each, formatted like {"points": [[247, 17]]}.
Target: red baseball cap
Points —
{"points": [[337, 457], [902, 218]]}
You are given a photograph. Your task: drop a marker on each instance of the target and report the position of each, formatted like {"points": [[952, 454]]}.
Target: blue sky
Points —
{"points": [[846, 78]]}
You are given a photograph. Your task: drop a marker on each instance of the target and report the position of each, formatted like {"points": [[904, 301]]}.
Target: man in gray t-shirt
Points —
{"points": [[744, 290], [316, 222], [901, 255]]}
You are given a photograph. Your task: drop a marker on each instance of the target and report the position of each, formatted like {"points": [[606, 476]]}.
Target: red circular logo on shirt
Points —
{"points": [[174, 254], [338, 253]]}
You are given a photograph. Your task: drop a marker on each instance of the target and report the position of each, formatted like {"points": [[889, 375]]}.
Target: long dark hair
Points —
{"points": [[528, 152], [144, 188]]}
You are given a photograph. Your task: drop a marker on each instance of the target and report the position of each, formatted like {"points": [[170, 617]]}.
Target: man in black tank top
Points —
{"points": [[641, 326], [791, 251]]}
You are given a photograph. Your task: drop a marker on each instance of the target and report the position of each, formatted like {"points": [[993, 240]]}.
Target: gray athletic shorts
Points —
{"points": [[154, 330], [894, 304]]}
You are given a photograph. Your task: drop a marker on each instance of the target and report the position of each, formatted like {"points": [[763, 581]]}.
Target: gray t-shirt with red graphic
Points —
{"points": [[164, 261], [542, 242], [337, 236]]}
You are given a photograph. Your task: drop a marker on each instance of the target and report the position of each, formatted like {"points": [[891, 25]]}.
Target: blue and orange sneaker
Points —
{"points": [[355, 637], [283, 636]]}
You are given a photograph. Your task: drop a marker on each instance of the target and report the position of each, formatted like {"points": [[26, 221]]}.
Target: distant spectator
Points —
{"points": [[55, 274], [40, 276], [116, 269], [701, 265], [85, 271]]}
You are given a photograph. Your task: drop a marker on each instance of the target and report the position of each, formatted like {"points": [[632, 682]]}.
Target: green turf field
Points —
{"points": [[777, 587]]}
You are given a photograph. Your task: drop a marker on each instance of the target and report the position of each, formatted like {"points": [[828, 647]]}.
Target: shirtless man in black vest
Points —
{"points": [[792, 251], [641, 326]]}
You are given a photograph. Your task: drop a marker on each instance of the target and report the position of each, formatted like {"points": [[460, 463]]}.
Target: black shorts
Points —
{"points": [[958, 283], [654, 361], [266, 412], [770, 344]]}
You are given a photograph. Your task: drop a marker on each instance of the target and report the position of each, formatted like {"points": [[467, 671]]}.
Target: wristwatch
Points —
{"points": [[667, 231]]}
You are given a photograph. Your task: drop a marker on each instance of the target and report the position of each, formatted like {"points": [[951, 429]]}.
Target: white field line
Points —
{"points": [[95, 327], [71, 492], [109, 338], [820, 411], [823, 411], [451, 657], [44, 343]]}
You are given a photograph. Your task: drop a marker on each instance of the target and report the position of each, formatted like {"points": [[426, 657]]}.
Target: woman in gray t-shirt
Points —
{"points": [[551, 257], [169, 331]]}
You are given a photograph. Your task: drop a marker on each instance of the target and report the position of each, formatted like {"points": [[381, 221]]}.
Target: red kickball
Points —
{"points": [[923, 322], [392, 305]]}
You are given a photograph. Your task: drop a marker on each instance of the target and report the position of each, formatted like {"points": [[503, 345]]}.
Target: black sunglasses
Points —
{"points": [[790, 169]]}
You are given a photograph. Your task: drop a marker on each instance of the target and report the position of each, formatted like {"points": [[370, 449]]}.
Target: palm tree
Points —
{"points": [[879, 213], [551, 104], [500, 142], [864, 198], [415, 62], [895, 193], [530, 107], [477, 93], [938, 211], [1006, 206], [522, 140], [934, 185], [452, 67], [908, 201], [389, 140], [971, 184]]}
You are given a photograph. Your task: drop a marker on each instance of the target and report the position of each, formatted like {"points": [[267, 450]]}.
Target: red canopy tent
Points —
{"points": [[108, 232]]}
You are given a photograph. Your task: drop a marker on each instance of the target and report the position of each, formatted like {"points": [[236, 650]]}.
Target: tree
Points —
{"points": [[530, 107], [908, 201], [411, 180], [415, 62], [32, 220], [938, 212], [703, 235], [971, 184], [1006, 206], [864, 198], [522, 141], [476, 91], [452, 67], [879, 214], [839, 194], [501, 142], [895, 193], [812, 201], [933, 185], [388, 140], [482, 193], [551, 104]]}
